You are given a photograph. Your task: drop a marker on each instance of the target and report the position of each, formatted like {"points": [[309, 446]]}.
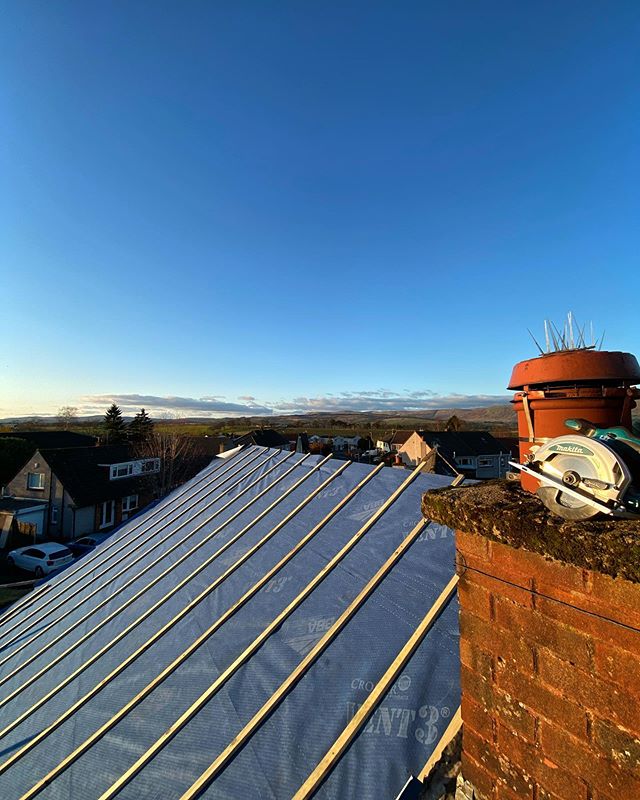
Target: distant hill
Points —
{"points": [[492, 417]]}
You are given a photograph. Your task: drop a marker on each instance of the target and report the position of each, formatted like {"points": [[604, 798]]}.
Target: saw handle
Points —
{"points": [[582, 426]]}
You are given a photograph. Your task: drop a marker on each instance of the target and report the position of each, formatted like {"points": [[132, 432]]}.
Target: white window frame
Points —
{"points": [[129, 503], [142, 466], [123, 470], [104, 523], [39, 475], [54, 515], [486, 461]]}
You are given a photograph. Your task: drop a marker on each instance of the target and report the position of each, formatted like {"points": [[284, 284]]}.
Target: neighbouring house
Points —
{"points": [[263, 437], [85, 489], [22, 516], [393, 443], [510, 444], [476, 454], [214, 445], [343, 444], [398, 439], [17, 446]]}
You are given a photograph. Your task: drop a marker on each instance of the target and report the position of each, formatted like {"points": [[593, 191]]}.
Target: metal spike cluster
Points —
{"points": [[572, 337]]}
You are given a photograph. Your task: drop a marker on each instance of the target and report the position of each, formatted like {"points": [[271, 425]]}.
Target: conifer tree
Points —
{"points": [[114, 426], [141, 427]]}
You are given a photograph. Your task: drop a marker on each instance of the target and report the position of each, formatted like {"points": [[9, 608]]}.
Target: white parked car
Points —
{"points": [[41, 558]]}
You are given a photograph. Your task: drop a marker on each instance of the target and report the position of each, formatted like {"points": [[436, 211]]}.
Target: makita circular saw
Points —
{"points": [[589, 472]]}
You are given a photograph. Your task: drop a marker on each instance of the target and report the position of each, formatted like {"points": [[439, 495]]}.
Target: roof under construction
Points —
{"points": [[281, 626]]}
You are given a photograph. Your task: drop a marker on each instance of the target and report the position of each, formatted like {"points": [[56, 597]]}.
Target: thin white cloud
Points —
{"points": [[248, 405], [211, 406], [383, 400]]}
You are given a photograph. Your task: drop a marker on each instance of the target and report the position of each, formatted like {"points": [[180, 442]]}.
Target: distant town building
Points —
{"points": [[393, 443]]}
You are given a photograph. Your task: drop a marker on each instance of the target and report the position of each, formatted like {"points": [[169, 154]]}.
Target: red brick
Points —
{"points": [[473, 546], [542, 700], [474, 598], [597, 772], [508, 561], [532, 761], [497, 704], [476, 659], [508, 645], [483, 782], [618, 592], [617, 745], [591, 624], [499, 767], [604, 699], [618, 666], [477, 718], [497, 586], [596, 795], [503, 792], [544, 794], [542, 631]]}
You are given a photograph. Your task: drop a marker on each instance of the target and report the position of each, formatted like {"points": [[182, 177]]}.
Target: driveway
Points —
{"points": [[9, 574]]}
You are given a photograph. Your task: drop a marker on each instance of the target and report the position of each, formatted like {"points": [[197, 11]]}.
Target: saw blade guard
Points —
{"points": [[587, 468]]}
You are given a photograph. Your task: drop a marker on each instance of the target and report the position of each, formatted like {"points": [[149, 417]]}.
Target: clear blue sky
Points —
{"points": [[304, 199]]}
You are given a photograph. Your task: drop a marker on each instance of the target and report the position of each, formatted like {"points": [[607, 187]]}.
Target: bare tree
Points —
{"points": [[67, 415], [179, 458]]}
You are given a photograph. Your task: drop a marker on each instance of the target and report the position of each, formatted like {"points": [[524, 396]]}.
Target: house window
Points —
{"points": [[130, 502], [54, 515], [107, 513], [121, 470], [35, 480], [143, 466], [464, 462], [485, 462]]}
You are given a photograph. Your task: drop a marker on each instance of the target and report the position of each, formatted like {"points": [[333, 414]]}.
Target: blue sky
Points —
{"points": [[303, 205]]}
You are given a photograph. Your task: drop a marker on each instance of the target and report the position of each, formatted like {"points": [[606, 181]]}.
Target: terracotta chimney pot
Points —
{"points": [[597, 385]]}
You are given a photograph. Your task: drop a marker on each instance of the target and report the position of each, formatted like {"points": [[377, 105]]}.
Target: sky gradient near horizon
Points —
{"points": [[234, 208]]}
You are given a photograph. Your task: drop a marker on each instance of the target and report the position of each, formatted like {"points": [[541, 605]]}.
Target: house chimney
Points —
{"points": [[593, 384]]}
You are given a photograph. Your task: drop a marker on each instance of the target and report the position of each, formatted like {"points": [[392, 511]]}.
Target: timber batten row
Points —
{"points": [[284, 537]]}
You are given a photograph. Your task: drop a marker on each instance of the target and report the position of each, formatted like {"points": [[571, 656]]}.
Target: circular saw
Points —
{"points": [[593, 471]]}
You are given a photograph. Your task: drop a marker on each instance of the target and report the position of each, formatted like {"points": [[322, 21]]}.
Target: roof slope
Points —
{"points": [[267, 597], [464, 443], [52, 439], [84, 473], [264, 437], [400, 437]]}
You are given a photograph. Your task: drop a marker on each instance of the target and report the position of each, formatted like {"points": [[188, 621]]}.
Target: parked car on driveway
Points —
{"points": [[84, 545], [42, 558]]}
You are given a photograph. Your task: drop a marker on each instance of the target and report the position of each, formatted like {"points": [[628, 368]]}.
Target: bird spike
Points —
{"points": [[536, 342], [572, 336], [546, 336], [570, 327]]}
